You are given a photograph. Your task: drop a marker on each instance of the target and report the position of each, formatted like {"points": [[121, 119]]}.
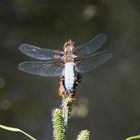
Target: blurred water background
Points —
{"points": [[108, 98]]}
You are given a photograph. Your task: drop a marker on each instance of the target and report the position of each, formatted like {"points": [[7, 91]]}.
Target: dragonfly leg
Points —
{"points": [[62, 90], [71, 93], [77, 80]]}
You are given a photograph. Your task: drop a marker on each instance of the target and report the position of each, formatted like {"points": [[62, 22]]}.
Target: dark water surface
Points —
{"points": [[109, 96]]}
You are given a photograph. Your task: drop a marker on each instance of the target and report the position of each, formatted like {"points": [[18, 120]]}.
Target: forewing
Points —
{"points": [[91, 62], [42, 68], [40, 53], [90, 47]]}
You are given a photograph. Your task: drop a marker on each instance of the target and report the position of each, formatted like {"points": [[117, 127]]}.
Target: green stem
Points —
{"points": [[133, 137], [13, 129], [67, 103]]}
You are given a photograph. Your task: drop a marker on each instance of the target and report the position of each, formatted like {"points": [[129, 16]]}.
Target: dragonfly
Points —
{"points": [[51, 62]]}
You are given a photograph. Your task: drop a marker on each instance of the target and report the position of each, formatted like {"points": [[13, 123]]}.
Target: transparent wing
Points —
{"points": [[90, 47], [46, 68], [40, 53], [91, 62]]}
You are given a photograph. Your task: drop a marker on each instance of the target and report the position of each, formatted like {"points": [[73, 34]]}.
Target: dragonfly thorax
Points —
{"points": [[68, 51]]}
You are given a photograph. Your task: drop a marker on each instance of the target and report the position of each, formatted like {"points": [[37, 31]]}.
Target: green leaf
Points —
{"points": [[133, 137], [16, 130]]}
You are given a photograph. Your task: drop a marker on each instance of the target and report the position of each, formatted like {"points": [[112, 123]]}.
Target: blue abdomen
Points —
{"points": [[69, 76]]}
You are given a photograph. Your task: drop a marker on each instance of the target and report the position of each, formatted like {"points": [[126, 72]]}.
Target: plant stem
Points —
{"points": [[66, 110], [133, 137]]}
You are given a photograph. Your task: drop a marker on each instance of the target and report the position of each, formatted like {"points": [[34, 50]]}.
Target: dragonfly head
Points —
{"points": [[68, 46]]}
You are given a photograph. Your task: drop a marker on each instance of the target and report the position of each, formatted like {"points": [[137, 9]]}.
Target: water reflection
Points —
{"points": [[89, 12], [2, 82], [5, 105]]}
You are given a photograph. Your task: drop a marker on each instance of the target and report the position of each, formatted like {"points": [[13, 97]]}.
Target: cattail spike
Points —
{"points": [[83, 135], [58, 125]]}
